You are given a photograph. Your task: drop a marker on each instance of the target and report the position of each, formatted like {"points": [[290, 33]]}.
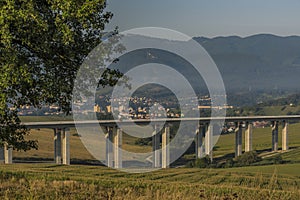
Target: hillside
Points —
{"points": [[258, 62], [45, 181], [289, 105], [255, 68]]}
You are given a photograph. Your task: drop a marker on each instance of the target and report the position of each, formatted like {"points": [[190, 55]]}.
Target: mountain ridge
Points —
{"points": [[269, 61]]}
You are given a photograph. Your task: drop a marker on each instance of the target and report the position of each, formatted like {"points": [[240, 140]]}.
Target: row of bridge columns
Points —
{"points": [[113, 148], [61, 148], [161, 158], [204, 135], [161, 152], [204, 141], [160, 140]]}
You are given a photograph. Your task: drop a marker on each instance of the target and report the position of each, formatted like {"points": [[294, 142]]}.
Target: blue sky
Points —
{"points": [[209, 18]]}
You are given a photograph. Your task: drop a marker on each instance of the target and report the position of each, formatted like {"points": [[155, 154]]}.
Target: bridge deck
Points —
{"points": [[67, 124]]}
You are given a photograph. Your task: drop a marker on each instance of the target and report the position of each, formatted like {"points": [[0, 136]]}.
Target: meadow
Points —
{"points": [[49, 181]]}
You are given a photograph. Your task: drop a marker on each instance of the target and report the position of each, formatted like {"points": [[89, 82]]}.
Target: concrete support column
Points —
{"points": [[57, 146], [66, 146], [209, 141], [7, 154], [156, 147], [248, 137], [165, 148], [238, 139], [109, 147], [285, 138], [118, 147], [1, 155], [199, 147], [275, 136]]}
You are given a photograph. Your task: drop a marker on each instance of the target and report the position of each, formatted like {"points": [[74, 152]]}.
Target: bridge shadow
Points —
{"points": [[267, 151]]}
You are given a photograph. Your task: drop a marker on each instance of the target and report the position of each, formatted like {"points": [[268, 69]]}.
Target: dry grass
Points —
{"points": [[44, 181]]}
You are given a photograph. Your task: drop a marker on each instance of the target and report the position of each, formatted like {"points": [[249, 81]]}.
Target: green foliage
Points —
{"points": [[229, 163], [143, 141], [278, 159], [204, 162], [42, 45], [13, 133], [247, 159], [272, 160]]}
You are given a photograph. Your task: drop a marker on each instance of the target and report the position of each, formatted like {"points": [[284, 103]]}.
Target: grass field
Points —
{"points": [[280, 110], [45, 118], [50, 181]]}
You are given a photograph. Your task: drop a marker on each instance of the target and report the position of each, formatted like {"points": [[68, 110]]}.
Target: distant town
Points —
{"points": [[136, 108], [139, 108]]}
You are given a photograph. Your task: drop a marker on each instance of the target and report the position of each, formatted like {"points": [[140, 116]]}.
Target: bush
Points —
{"points": [[229, 163], [143, 141], [278, 159], [190, 164], [247, 159], [272, 160], [204, 162]]}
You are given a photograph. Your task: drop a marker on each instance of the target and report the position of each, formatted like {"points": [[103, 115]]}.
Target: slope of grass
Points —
{"points": [[45, 118], [44, 181], [280, 110]]}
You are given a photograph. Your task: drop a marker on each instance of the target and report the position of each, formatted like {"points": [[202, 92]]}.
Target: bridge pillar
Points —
{"points": [[199, 147], [248, 137], [1, 155], [7, 154], [66, 146], [156, 147], [109, 147], [275, 136], [285, 143], [209, 141], [118, 134], [165, 148], [57, 146], [238, 139]]}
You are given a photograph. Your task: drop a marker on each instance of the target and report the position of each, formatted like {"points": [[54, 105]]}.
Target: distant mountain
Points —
{"points": [[259, 62]]}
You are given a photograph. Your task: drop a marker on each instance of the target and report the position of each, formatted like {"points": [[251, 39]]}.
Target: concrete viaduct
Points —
{"points": [[203, 137]]}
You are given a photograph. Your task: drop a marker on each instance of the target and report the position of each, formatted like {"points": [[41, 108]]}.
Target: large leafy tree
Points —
{"points": [[43, 43]]}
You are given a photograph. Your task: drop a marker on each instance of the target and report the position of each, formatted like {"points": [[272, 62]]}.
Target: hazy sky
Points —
{"points": [[209, 17]]}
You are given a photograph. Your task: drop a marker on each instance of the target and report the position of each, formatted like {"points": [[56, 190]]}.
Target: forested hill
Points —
{"points": [[254, 69], [257, 62]]}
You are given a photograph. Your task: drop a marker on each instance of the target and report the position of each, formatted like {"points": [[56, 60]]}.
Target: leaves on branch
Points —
{"points": [[42, 45]]}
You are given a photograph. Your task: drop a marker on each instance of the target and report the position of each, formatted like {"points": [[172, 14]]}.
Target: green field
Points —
{"points": [[50, 181], [45, 118]]}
